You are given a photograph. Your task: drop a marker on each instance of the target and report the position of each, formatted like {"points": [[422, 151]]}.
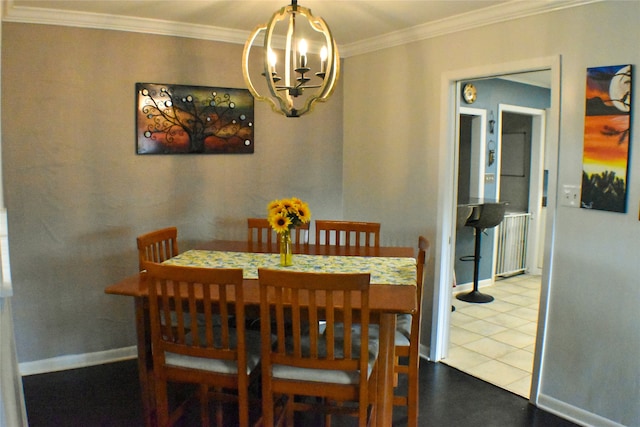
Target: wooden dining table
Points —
{"points": [[385, 300]]}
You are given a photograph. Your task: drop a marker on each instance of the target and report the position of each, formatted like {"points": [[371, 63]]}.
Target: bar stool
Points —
{"points": [[489, 216], [463, 215]]}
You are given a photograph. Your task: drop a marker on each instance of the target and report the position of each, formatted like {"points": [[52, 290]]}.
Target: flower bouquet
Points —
{"points": [[283, 215]]}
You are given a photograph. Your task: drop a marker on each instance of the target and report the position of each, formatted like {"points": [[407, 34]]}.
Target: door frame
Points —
{"points": [[444, 246], [536, 175]]}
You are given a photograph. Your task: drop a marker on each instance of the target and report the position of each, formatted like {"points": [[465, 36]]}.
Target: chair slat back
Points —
{"points": [[157, 246], [293, 303], [191, 311], [347, 233], [300, 234], [259, 231], [424, 252], [407, 360]]}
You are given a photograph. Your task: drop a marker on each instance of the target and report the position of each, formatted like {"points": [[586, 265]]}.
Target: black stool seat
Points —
{"points": [[490, 215], [463, 216]]}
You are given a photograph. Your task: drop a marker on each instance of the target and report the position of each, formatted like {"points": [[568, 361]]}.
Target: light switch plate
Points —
{"points": [[570, 196]]}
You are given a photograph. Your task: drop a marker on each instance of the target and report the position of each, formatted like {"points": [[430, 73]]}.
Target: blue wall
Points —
{"points": [[491, 93]]}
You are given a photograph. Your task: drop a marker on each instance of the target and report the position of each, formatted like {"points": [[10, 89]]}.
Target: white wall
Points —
{"points": [[392, 107]]}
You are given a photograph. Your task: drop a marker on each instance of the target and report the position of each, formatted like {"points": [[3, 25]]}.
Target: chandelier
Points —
{"points": [[297, 63]]}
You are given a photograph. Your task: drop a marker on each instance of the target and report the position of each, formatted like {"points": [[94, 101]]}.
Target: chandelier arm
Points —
{"points": [[284, 101], [245, 67]]}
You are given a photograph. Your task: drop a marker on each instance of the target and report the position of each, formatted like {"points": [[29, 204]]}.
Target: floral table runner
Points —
{"points": [[383, 270]]}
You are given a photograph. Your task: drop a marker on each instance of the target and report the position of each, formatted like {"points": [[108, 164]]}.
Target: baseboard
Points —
{"points": [[73, 361], [424, 351], [572, 413]]}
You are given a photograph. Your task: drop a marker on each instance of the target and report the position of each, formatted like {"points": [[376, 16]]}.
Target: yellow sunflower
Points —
{"points": [[280, 222], [304, 213], [287, 205], [273, 205], [274, 212]]}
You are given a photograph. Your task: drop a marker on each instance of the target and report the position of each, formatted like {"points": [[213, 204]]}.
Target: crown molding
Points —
{"points": [[504, 12], [44, 16], [514, 9]]}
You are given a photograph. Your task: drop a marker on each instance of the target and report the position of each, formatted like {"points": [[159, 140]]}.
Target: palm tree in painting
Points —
{"points": [[607, 135]]}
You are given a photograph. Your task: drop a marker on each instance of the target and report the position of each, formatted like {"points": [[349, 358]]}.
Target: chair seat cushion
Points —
{"points": [[403, 324], [331, 376], [400, 339], [187, 319], [220, 366], [402, 335], [317, 375]]}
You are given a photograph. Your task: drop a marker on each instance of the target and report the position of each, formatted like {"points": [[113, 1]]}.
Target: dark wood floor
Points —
{"points": [[109, 395]]}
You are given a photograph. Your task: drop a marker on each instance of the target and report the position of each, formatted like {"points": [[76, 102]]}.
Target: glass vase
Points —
{"points": [[286, 249]]}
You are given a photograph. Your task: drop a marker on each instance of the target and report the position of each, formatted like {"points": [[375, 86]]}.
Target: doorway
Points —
{"points": [[447, 232], [495, 341], [521, 180]]}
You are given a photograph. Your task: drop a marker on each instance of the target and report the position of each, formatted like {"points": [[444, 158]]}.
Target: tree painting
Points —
{"points": [[177, 119], [606, 138]]}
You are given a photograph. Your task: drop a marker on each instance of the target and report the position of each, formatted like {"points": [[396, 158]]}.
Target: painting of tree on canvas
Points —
{"points": [[606, 138], [178, 119]]}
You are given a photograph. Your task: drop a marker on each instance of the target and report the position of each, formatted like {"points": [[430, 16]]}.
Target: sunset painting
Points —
{"points": [[606, 138]]}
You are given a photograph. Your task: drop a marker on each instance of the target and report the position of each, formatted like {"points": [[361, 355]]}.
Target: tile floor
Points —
{"points": [[495, 341]]}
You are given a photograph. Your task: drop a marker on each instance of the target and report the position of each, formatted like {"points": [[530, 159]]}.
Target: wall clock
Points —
{"points": [[469, 93]]}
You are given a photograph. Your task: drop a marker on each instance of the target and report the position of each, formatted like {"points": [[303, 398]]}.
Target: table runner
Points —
{"points": [[383, 270]]}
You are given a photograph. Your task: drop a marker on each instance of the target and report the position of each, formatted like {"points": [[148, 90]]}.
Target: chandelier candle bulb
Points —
{"points": [[302, 48], [323, 59], [273, 59]]}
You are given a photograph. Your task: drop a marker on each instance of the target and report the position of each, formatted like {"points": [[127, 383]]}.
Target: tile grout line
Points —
{"points": [[483, 328]]}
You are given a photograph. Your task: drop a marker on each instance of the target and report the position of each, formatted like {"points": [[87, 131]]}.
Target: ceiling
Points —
{"points": [[358, 26]]}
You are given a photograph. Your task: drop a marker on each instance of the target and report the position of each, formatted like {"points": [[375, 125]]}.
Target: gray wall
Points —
{"points": [[78, 195], [590, 359]]}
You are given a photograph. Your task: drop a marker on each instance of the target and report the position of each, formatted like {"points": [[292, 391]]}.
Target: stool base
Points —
{"points": [[475, 296]]}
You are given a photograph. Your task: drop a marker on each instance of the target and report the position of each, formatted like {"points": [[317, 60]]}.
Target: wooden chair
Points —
{"points": [[259, 231], [157, 246], [332, 364], [347, 233], [300, 234], [407, 341], [215, 356]]}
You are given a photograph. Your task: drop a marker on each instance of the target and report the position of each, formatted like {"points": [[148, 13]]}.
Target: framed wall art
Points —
{"points": [[607, 138], [178, 119]]}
